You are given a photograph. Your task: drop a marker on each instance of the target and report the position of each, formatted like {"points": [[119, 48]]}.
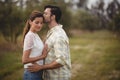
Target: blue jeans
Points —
{"points": [[32, 75]]}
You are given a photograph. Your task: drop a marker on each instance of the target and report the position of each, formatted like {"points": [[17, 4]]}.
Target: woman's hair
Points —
{"points": [[33, 15]]}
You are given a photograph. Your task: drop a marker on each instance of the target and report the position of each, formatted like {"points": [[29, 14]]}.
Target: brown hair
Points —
{"points": [[33, 15]]}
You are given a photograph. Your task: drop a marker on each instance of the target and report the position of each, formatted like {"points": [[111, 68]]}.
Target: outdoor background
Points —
{"points": [[93, 27]]}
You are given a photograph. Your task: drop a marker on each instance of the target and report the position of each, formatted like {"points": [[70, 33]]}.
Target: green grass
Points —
{"points": [[98, 55], [95, 56], [10, 62]]}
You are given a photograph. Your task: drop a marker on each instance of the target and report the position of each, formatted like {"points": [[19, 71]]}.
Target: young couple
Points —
{"points": [[49, 60]]}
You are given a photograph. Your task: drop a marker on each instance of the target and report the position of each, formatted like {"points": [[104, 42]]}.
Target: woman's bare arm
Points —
{"points": [[27, 59]]}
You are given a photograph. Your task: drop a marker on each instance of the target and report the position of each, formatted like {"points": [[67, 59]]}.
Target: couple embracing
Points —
{"points": [[49, 60]]}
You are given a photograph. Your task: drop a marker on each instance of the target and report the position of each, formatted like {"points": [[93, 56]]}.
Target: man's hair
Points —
{"points": [[55, 10]]}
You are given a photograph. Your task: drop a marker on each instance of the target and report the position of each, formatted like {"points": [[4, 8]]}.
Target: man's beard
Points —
{"points": [[45, 21]]}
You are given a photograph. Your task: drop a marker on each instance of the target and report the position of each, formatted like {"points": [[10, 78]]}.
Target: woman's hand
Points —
{"points": [[45, 51]]}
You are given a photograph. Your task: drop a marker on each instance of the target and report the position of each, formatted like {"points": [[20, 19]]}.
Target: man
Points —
{"points": [[57, 63]]}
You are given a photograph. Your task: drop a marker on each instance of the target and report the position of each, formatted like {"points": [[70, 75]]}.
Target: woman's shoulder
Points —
{"points": [[30, 35]]}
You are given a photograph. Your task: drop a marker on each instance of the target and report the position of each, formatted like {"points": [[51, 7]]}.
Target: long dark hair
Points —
{"points": [[33, 15]]}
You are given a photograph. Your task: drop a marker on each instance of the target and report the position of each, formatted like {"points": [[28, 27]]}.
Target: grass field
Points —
{"points": [[95, 56]]}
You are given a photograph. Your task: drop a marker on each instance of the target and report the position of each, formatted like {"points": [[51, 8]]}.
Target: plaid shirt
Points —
{"points": [[58, 44]]}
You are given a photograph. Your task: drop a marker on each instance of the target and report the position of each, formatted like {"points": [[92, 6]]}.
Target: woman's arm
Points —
{"points": [[27, 59]]}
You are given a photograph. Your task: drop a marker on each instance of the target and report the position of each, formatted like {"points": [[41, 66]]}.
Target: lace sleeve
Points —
{"points": [[28, 42]]}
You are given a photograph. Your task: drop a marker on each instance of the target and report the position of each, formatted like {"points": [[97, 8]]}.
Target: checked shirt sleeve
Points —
{"points": [[60, 48]]}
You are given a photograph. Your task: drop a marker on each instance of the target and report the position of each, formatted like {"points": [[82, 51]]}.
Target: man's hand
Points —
{"points": [[34, 68]]}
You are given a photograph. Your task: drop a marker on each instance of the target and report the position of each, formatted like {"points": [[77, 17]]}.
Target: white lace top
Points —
{"points": [[32, 41]]}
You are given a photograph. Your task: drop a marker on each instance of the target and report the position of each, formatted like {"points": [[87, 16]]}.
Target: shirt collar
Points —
{"points": [[55, 27]]}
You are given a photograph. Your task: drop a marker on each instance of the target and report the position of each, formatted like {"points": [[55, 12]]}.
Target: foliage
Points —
{"points": [[117, 23], [84, 20], [10, 20], [109, 16], [82, 3], [13, 17], [15, 13]]}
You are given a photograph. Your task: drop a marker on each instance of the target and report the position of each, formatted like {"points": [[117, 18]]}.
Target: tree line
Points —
{"points": [[14, 13]]}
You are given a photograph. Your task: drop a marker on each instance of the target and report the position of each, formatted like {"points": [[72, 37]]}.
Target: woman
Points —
{"points": [[34, 51]]}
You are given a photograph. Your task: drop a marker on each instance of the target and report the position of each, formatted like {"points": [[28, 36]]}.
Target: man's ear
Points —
{"points": [[53, 16]]}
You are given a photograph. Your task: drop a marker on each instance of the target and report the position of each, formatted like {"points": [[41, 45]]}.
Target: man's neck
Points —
{"points": [[52, 24]]}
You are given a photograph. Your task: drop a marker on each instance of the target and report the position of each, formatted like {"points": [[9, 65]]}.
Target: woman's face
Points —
{"points": [[36, 24]]}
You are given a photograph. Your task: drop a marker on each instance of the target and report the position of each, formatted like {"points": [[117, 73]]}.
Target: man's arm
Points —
{"points": [[37, 67], [60, 53], [52, 65]]}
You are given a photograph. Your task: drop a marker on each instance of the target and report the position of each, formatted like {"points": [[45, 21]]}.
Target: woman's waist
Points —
{"points": [[40, 62]]}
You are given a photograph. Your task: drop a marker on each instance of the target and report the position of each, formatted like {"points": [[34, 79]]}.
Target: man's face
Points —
{"points": [[47, 15]]}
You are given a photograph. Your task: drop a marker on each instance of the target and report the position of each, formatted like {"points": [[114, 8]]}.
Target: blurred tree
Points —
{"points": [[101, 6], [99, 11], [82, 18], [10, 20], [108, 17], [31, 5], [85, 20], [113, 12], [82, 3], [113, 8], [101, 14], [116, 26], [21, 4], [78, 4], [15, 13]]}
